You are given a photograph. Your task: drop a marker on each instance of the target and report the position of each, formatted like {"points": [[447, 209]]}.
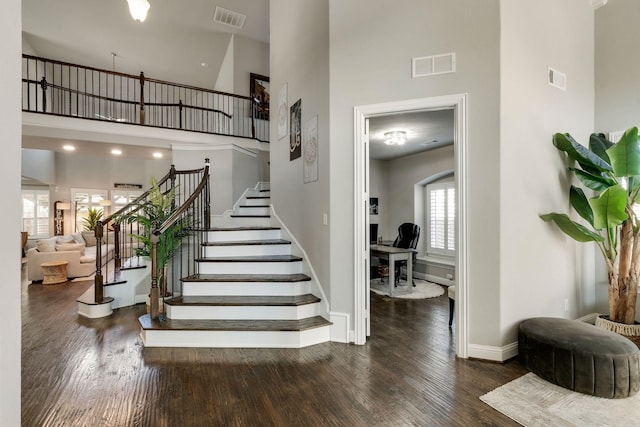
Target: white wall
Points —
{"points": [[379, 187], [404, 173], [232, 171], [540, 267], [250, 56], [10, 329], [39, 165], [393, 181], [617, 80], [245, 174], [370, 63], [300, 57], [617, 95]]}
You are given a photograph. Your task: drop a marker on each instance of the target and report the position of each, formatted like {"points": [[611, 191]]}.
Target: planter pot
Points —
{"points": [[603, 322]]}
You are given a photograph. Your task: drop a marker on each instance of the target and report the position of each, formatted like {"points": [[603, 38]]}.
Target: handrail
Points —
{"points": [[182, 212], [61, 88], [195, 207]]}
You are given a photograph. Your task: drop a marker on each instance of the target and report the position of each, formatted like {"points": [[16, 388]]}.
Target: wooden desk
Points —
{"points": [[393, 255]]}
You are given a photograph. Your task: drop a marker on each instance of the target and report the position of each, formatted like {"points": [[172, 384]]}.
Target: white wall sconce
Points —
{"points": [[139, 9]]}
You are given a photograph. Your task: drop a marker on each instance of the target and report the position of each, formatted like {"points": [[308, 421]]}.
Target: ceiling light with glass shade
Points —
{"points": [[139, 9], [396, 137]]}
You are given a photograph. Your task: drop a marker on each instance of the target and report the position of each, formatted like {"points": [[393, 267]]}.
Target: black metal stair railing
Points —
{"points": [[70, 90], [122, 242]]}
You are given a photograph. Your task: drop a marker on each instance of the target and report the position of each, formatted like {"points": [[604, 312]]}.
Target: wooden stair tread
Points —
{"points": [[262, 301], [258, 258], [249, 242], [266, 278], [257, 197], [232, 325], [250, 216]]}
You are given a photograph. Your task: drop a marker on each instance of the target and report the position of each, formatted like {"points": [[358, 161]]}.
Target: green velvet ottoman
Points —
{"points": [[580, 357]]}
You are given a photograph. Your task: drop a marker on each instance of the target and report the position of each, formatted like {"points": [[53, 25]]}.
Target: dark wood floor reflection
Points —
{"points": [[78, 372]]}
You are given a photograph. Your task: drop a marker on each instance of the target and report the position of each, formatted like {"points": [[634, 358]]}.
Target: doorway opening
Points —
{"points": [[362, 114]]}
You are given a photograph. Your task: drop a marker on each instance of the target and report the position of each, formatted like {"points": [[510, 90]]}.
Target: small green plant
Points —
{"points": [[92, 219]]}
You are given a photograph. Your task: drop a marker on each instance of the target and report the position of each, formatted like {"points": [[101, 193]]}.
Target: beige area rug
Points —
{"points": [[422, 290], [533, 402]]}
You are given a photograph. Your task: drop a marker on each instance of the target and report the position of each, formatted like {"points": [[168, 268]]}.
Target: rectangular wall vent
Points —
{"points": [[229, 17], [557, 79], [433, 65]]}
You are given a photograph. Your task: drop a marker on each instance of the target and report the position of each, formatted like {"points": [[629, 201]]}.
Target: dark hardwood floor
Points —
{"points": [[80, 372]]}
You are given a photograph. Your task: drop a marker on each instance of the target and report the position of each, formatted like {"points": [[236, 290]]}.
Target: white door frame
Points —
{"points": [[457, 102]]}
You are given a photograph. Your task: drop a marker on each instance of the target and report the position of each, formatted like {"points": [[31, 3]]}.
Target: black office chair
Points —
{"points": [[408, 236]]}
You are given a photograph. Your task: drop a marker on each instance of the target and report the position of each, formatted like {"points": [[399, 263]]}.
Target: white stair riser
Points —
{"points": [[245, 288], [239, 235], [235, 339], [242, 312], [247, 250], [242, 222], [250, 267], [253, 210], [256, 202]]}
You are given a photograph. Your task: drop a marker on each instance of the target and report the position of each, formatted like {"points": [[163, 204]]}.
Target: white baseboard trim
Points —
{"points": [[435, 279], [340, 327], [496, 354]]}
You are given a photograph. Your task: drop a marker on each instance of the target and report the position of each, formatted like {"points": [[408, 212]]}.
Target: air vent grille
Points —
{"points": [[557, 79], [433, 65], [229, 17]]}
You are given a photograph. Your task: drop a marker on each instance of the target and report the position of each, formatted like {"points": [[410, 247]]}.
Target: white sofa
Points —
{"points": [[78, 249]]}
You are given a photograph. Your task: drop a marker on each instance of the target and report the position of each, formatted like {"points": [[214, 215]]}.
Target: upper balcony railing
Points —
{"points": [[59, 88]]}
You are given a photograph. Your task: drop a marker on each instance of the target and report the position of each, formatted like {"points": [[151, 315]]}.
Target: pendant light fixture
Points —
{"points": [[139, 9]]}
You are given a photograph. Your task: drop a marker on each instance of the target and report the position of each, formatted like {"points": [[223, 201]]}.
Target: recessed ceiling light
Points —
{"points": [[69, 147], [116, 152], [204, 65], [157, 155]]}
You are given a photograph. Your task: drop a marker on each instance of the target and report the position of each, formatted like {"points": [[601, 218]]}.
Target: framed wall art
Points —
{"points": [[310, 150], [283, 112], [259, 92], [295, 130]]}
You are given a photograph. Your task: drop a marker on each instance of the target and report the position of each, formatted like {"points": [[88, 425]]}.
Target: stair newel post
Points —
{"points": [[154, 295], [43, 86], [141, 98], [99, 280], [172, 177], [207, 201], [180, 114], [116, 243]]}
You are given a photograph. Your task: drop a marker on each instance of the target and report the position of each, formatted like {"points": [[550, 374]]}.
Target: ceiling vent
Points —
{"points": [[229, 17], [433, 65]]}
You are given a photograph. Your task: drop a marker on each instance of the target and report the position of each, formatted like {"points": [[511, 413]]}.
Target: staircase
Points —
{"points": [[250, 290]]}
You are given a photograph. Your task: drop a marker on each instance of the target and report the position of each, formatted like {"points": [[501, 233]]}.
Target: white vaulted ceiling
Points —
{"points": [[171, 44]]}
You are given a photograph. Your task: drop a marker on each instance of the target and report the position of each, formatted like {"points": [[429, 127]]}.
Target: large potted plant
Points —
{"points": [[612, 172], [153, 213]]}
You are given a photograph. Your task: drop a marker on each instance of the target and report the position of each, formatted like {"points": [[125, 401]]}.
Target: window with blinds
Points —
{"points": [[35, 213], [441, 218]]}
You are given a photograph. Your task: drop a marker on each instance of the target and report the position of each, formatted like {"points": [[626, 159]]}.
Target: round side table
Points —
{"points": [[54, 272]]}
